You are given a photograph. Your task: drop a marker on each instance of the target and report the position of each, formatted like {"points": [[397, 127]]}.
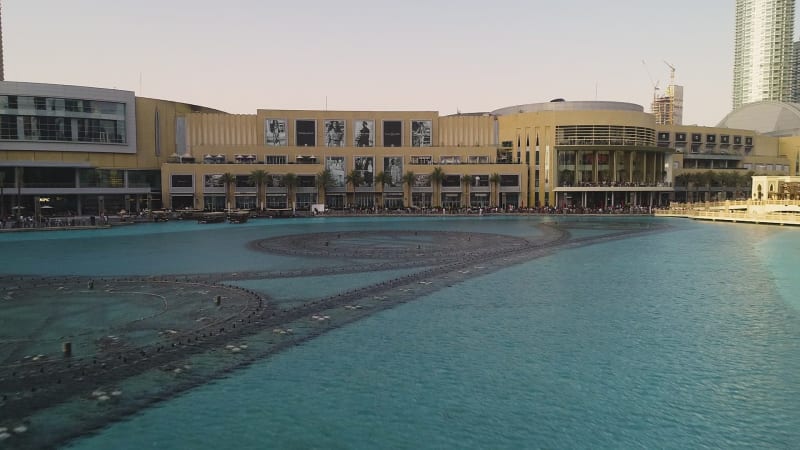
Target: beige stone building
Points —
{"points": [[80, 150]]}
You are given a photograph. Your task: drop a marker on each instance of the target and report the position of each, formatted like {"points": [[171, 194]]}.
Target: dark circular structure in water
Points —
{"points": [[388, 244]]}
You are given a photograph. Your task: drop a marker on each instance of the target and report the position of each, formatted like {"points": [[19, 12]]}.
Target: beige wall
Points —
{"points": [[467, 130]]}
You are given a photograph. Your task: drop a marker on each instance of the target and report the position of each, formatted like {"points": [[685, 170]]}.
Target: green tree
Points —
{"points": [[408, 181], [230, 183], [2, 195], [494, 180], [259, 178], [437, 176], [355, 178], [466, 182], [324, 182], [290, 180], [382, 179]]}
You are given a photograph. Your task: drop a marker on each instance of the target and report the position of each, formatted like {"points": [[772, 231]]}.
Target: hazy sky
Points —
{"points": [[241, 55]]}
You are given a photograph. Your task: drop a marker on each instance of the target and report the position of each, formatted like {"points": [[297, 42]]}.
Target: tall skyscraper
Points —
{"points": [[763, 51], [2, 70], [796, 73]]}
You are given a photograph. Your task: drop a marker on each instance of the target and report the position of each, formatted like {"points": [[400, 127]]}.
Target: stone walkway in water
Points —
{"points": [[187, 343]]}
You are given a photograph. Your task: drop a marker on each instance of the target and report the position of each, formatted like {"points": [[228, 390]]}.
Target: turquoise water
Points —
{"points": [[683, 339]]}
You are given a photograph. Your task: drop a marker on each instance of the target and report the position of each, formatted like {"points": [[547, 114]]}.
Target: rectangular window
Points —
{"points": [[306, 133], [275, 159], [181, 181], [451, 181], [392, 133], [480, 180], [8, 127], [509, 180], [697, 137]]}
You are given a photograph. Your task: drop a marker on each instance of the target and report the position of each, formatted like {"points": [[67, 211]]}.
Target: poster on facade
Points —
{"points": [[364, 133], [276, 133], [305, 133], [422, 181], [334, 133], [365, 165], [421, 132], [213, 181], [275, 181], [335, 166], [392, 133], [393, 166]]}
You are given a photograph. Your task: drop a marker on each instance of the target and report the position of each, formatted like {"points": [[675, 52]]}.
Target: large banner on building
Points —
{"points": [[421, 132], [335, 165], [213, 181], [276, 133], [393, 166], [334, 133], [364, 132], [422, 181], [305, 133], [365, 165], [392, 133]]}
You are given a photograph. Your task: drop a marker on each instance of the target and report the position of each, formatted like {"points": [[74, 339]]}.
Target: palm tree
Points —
{"points": [[748, 180], [2, 195], [324, 182], [437, 176], [259, 177], [494, 180], [18, 179], [382, 179], [466, 181], [230, 182], [408, 180], [290, 180], [354, 179]]}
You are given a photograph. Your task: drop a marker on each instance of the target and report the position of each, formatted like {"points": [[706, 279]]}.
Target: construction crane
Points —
{"points": [[653, 83], [674, 99], [671, 73]]}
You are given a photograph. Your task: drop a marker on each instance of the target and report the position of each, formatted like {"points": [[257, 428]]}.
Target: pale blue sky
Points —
{"points": [[467, 55]]}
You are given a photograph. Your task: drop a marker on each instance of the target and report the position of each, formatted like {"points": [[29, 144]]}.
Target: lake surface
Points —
{"points": [[684, 338]]}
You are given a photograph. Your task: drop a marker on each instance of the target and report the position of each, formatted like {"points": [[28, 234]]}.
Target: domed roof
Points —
{"points": [[767, 117]]}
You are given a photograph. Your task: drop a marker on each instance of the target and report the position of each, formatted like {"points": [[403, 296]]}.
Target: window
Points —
{"points": [[392, 133], [680, 137], [306, 133], [421, 160], [182, 181], [663, 136], [697, 137], [451, 181], [275, 159], [509, 180], [450, 160]]}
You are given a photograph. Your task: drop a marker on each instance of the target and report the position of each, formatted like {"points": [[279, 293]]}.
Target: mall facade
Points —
{"points": [[78, 150]]}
